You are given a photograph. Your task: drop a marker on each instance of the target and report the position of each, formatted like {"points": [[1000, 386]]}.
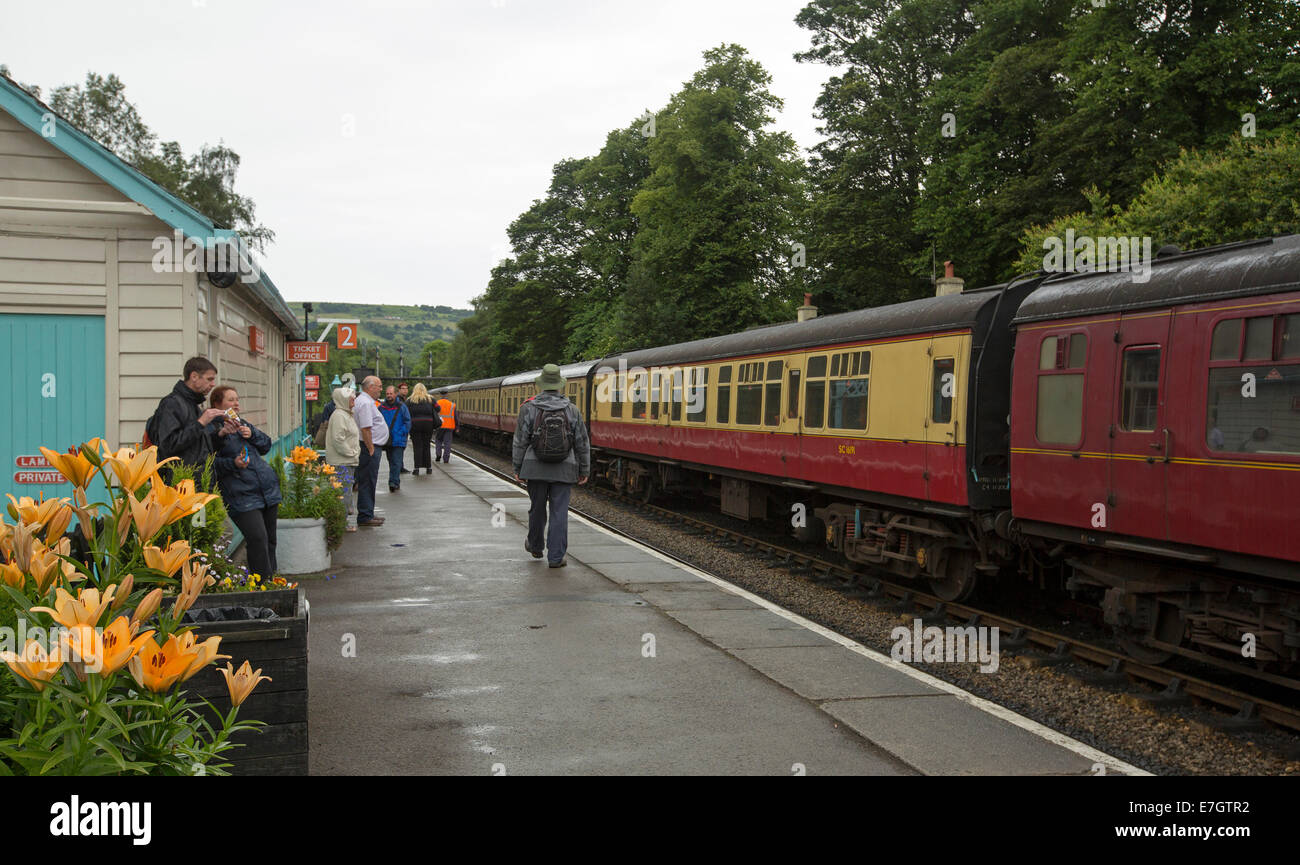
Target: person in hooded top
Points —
{"points": [[552, 451], [343, 446]]}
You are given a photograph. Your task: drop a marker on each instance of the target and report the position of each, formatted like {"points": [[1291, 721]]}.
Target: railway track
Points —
{"points": [[1034, 645]]}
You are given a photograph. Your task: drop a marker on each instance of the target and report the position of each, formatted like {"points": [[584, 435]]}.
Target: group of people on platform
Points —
{"points": [[551, 451], [358, 427]]}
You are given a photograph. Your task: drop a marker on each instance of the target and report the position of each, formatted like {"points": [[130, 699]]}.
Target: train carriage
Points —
{"points": [[867, 415], [1156, 425]]}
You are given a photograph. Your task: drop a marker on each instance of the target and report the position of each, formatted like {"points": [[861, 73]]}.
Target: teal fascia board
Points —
{"points": [[105, 165]]}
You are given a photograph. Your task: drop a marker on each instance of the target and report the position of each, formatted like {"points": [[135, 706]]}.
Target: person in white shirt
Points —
{"points": [[374, 435]]}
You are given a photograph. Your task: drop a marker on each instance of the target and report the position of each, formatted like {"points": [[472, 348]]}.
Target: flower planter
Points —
{"points": [[300, 546], [279, 648]]}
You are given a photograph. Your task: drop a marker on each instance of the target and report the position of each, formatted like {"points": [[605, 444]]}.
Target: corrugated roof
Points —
{"points": [[108, 167]]}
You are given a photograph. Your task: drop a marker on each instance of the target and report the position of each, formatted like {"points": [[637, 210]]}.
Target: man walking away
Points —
{"points": [[180, 429], [374, 435], [551, 452], [398, 418], [447, 411]]}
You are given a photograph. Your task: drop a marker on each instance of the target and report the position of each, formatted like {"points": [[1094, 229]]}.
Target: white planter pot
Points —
{"points": [[300, 546]]}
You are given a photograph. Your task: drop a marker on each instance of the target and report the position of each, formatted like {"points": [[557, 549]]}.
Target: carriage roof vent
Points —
{"points": [[949, 283]]}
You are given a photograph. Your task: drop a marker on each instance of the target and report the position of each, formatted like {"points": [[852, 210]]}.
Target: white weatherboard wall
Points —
{"points": [[72, 244]]}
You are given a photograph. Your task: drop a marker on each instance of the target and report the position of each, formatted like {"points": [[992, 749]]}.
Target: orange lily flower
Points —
{"points": [[241, 684], [205, 653], [85, 609], [107, 653], [13, 575], [24, 543], [33, 664], [169, 562], [194, 579], [158, 668], [149, 516], [182, 499], [45, 564], [75, 467], [134, 469], [86, 515], [52, 514]]}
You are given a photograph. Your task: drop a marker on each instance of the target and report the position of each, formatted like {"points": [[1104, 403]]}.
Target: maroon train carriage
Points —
{"points": [[1156, 446]]}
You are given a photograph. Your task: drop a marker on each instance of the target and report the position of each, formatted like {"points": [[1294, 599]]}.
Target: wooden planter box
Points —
{"points": [[279, 649]]}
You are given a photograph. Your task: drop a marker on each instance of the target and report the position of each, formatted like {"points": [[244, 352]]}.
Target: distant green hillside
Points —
{"points": [[386, 327]]}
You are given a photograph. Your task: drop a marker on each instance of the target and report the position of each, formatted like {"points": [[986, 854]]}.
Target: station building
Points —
{"points": [[93, 331]]}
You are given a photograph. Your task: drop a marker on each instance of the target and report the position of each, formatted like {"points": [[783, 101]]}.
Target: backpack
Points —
{"points": [[552, 439], [150, 436]]}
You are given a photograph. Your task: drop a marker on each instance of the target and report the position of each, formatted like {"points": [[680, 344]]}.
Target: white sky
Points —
{"points": [[460, 108]]}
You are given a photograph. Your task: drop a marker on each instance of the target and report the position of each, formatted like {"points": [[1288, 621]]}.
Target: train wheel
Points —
{"points": [[1133, 647], [649, 489], [959, 577]]}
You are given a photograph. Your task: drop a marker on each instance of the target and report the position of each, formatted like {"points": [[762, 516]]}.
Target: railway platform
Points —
{"points": [[439, 646]]}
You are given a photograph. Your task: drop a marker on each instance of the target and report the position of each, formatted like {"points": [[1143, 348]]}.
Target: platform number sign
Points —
{"points": [[347, 336]]}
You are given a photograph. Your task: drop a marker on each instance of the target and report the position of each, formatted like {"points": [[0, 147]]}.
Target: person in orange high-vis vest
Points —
{"points": [[447, 409]]}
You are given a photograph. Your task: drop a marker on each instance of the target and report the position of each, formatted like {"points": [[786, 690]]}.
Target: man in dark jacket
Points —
{"points": [[398, 418], [179, 428], [550, 483]]}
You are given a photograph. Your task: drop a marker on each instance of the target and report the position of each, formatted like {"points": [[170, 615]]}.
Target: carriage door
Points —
{"points": [[944, 456], [1141, 442]]}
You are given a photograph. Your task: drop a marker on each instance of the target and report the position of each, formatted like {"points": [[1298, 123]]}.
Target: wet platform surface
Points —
{"points": [[439, 646]]}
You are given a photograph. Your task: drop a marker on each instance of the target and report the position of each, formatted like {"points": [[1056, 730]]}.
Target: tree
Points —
{"points": [[717, 213], [205, 181], [1245, 190]]}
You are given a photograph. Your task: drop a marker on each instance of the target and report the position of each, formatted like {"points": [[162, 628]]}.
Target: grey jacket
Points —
{"points": [[578, 462]]}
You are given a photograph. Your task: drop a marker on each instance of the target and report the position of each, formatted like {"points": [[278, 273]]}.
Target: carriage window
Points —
{"points": [[943, 385], [697, 405], [616, 397], [847, 407], [1259, 338], [654, 395], [772, 403], [1141, 389], [1266, 423], [638, 395], [1078, 350], [1226, 342], [749, 403], [814, 398], [1060, 409], [792, 410], [677, 394], [724, 394], [1290, 339]]}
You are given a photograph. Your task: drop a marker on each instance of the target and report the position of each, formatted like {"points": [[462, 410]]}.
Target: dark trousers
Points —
{"points": [[556, 495], [395, 457], [444, 445], [367, 478], [420, 441], [258, 528]]}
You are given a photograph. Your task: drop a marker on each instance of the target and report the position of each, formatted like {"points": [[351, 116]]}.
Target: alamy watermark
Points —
{"points": [[181, 254], [1082, 253], [950, 645]]}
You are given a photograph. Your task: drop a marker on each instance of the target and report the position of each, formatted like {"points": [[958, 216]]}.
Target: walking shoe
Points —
{"points": [[392, 489], [529, 549], [560, 564], [373, 521], [405, 471]]}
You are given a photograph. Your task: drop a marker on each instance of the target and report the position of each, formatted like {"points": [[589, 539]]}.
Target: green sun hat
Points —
{"points": [[550, 379]]}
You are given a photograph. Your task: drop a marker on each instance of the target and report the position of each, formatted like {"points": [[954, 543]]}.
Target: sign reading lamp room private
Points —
{"points": [[130, 819]]}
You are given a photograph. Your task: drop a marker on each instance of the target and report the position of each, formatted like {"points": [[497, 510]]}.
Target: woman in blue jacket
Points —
{"points": [[249, 487]]}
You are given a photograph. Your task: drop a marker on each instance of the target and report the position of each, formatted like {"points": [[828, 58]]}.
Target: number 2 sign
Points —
{"points": [[347, 336]]}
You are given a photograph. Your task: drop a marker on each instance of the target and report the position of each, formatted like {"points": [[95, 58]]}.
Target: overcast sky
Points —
{"points": [[389, 144]]}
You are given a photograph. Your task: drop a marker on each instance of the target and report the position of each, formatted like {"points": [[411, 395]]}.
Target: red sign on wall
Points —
{"points": [[311, 382], [256, 339], [32, 462], [311, 396], [306, 352], [347, 336], [38, 478]]}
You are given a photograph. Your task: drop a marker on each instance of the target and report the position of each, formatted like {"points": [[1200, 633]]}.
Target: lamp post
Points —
{"points": [[302, 376], [401, 365]]}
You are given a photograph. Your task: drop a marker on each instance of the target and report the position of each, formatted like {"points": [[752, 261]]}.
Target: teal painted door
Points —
{"points": [[54, 368]]}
